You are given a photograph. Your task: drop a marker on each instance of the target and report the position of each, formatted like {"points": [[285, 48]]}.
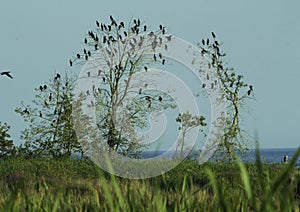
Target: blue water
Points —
{"points": [[267, 155]]}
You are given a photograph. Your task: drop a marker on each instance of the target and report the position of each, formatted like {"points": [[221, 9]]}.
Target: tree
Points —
{"points": [[50, 131], [187, 122], [236, 91], [6, 145], [118, 52]]}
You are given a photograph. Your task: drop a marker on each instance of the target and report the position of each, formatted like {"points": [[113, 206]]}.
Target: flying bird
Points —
{"points": [[6, 73]]}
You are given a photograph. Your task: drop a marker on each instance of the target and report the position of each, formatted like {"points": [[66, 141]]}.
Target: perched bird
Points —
{"points": [[207, 41], [97, 23], [71, 63], [163, 61], [203, 42], [41, 88], [160, 27], [26, 111], [41, 115], [169, 37], [140, 91], [50, 97], [88, 74], [78, 56], [160, 98], [203, 85], [145, 28], [160, 55], [85, 40], [154, 57], [251, 87], [163, 31], [6, 73], [213, 34], [45, 87], [145, 67]]}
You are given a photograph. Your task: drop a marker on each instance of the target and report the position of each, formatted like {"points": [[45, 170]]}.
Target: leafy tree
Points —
{"points": [[236, 91], [50, 131], [122, 51], [6, 145], [188, 122]]}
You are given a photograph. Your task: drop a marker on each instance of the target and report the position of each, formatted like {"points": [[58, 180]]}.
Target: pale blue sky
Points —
{"points": [[261, 39]]}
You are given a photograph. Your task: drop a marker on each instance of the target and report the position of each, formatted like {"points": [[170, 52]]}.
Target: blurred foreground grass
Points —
{"points": [[79, 185]]}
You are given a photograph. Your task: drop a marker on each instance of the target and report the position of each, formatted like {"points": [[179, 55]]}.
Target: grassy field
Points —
{"points": [[79, 185]]}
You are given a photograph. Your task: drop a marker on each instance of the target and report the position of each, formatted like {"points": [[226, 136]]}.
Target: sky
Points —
{"points": [[261, 39]]}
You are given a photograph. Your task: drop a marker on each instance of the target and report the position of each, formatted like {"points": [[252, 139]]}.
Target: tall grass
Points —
{"points": [[79, 185]]}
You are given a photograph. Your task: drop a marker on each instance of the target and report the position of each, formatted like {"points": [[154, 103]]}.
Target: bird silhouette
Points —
{"points": [[160, 27], [169, 37], [160, 98], [154, 57], [6, 73], [140, 91], [207, 41], [50, 97], [41, 115], [26, 111], [41, 88], [145, 28], [85, 40], [78, 56], [145, 68], [163, 61], [97, 23], [71, 63], [45, 87], [213, 34], [203, 42]]}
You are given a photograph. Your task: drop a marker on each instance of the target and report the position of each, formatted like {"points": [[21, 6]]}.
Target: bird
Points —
{"points": [[97, 23], [41, 115], [125, 33], [145, 28], [45, 87], [6, 73], [140, 91], [160, 27], [71, 63], [154, 57], [50, 97], [169, 37], [85, 40], [163, 61], [207, 41], [213, 34], [251, 87], [26, 111], [203, 85], [78, 56], [41, 88], [145, 67], [160, 98], [88, 74], [203, 42], [160, 55]]}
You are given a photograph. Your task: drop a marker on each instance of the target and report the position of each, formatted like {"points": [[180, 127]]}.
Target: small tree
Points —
{"points": [[6, 145], [236, 94], [188, 122], [50, 131], [122, 51]]}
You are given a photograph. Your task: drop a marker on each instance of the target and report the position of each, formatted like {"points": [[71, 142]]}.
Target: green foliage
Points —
{"points": [[6, 145], [50, 131], [68, 185]]}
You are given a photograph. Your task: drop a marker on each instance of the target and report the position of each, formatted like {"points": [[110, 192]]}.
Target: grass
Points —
{"points": [[79, 185]]}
